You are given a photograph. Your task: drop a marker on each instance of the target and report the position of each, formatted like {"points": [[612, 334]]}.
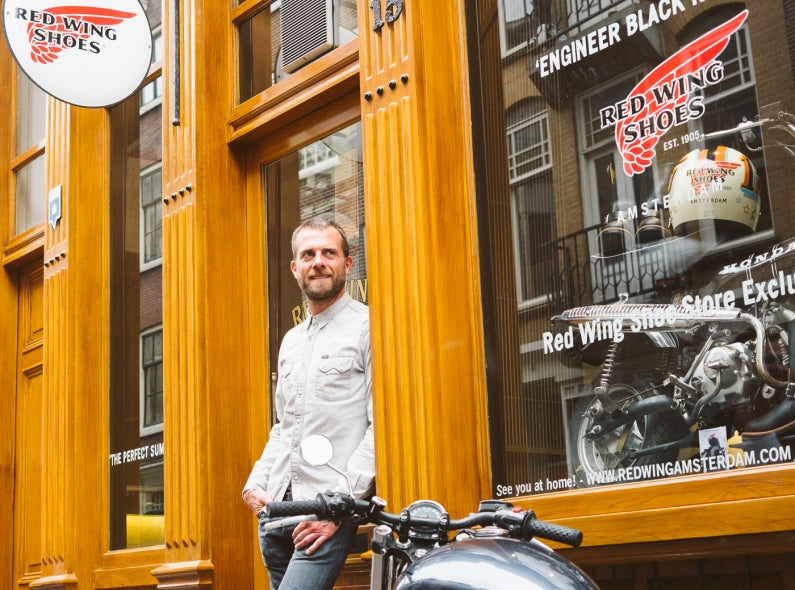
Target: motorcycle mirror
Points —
{"points": [[317, 450]]}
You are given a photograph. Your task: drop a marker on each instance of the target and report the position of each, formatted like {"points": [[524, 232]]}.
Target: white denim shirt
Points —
{"points": [[324, 387]]}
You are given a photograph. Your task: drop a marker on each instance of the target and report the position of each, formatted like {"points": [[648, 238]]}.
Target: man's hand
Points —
{"points": [[312, 534], [256, 500]]}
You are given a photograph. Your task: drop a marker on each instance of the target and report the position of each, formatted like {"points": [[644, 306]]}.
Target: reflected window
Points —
{"points": [[516, 23], [153, 92], [612, 201], [533, 204], [152, 381], [151, 216], [606, 191]]}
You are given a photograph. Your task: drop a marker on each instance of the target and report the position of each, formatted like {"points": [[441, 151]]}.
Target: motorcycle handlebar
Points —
{"points": [[338, 506], [555, 532], [523, 524], [296, 508]]}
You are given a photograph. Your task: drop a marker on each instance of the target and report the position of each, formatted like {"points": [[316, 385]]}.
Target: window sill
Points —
{"points": [[23, 247], [129, 568], [736, 502]]}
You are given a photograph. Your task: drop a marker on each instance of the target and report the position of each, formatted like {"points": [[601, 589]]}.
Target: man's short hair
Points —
{"points": [[320, 224]]}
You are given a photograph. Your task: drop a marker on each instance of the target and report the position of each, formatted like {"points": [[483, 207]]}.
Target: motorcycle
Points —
{"points": [[670, 371], [494, 548]]}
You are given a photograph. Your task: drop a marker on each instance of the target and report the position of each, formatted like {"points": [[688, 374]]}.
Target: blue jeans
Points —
{"points": [[292, 569]]}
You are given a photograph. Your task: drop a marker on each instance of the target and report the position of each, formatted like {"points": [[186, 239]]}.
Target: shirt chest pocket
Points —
{"points": [[287, 378], [333, 380]]}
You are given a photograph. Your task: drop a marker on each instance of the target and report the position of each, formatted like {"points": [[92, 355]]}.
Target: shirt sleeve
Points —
{"points": [[260, 472], [258, 478]]}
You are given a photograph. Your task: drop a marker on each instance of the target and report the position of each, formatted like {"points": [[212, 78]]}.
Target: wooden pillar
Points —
{"points": [[204, 310], [74, 416], [423, 262], [8, 331]]}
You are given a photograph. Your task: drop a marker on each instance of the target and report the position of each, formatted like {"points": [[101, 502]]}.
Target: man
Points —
{"points": [[324, 387]]}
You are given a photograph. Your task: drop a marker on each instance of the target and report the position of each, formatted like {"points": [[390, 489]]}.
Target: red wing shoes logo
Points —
{"points": [[666, 98], [69, 27], [703, 179], [93, 54]]}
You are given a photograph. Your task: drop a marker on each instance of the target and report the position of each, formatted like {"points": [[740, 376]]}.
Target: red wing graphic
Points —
{"points": [[69, 20], [638, 154]]}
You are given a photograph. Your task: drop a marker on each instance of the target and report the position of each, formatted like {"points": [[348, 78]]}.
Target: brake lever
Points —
{"points": [[288, 521]]}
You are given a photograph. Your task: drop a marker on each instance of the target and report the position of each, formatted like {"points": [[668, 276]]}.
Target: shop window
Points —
{"points": [[322, 179], [28, 165], [285, 35], [151, 216], [660, 349], [136, 320]]}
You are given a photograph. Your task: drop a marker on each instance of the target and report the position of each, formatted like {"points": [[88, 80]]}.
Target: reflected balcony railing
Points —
{"points": [[558, 18], [595, 266]]}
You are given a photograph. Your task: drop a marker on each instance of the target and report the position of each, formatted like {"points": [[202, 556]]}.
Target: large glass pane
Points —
{"points": [[262, 39], [258, 46], [652, 245], [30, 194], [31, 113], [136, 314], [321, 179], [29, 178], [136, 395]]}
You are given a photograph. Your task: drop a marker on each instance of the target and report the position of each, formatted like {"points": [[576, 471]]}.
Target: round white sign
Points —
{"points": [[90, 53]]}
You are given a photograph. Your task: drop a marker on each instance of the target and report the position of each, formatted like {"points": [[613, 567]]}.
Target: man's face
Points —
{"points": [[320, 267]]}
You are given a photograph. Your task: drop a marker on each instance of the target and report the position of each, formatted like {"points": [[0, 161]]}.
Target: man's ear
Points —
{"points": [[294, 268], [348, 265]]}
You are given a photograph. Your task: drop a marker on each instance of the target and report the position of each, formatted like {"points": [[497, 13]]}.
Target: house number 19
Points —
{"points": [[393, 10]]}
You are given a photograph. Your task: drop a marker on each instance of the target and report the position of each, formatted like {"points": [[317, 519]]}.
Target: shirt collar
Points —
{"points": [[325, 316]]}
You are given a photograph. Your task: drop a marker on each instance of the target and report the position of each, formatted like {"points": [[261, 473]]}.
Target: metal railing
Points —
{"points": [[584, 273]]}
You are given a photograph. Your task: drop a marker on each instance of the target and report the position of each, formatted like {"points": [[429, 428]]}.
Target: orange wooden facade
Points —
{"points": [[432, 432]]}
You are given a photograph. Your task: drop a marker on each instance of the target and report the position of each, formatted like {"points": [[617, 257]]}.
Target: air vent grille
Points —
{"points": [[307, 31]]}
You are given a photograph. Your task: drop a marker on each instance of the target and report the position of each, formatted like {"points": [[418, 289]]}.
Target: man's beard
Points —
{"points": [[316, 292]]}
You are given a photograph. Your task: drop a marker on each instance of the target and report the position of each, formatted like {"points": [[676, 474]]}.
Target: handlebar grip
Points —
{"points": [[553, 532], [295, 508]]}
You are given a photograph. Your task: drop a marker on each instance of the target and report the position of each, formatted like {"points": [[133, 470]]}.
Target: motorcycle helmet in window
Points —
{"points": [[714, 189]]}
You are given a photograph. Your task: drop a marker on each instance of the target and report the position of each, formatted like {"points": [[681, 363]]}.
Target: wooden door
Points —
{"points": [[28, 431]]}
